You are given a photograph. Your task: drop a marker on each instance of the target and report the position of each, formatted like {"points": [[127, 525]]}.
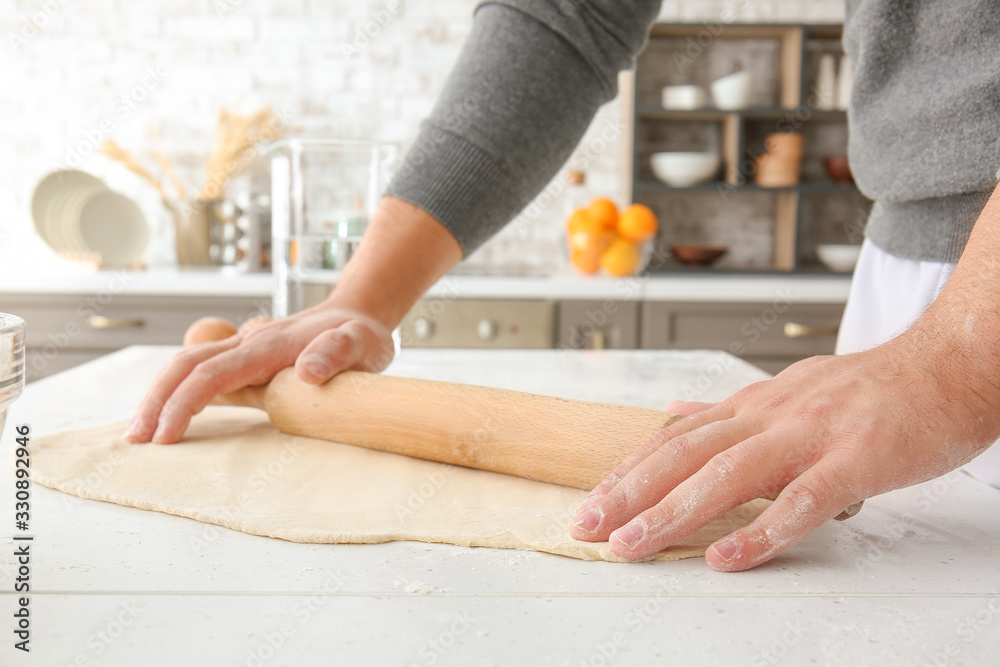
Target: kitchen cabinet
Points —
{"points": [[767, 229], [771, 336], [598, 325], [65, 330], [71, 321]]}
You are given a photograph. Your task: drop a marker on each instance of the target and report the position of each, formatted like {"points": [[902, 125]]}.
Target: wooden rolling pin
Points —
{"points": [[555, 440], [572, 443], [548, 439]]}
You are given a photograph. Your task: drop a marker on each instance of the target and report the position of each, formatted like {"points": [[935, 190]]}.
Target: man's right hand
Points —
{"points": [[320, 342]]}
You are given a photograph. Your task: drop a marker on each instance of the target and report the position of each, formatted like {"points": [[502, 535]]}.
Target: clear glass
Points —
{"points": [[11, 362], [323, 193]]}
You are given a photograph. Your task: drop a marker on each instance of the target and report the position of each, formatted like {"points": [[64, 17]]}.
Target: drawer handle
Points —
{"points": [[102, 322], [796, 330]]}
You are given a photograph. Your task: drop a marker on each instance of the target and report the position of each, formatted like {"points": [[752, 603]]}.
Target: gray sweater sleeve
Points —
{"points": [[527, 84]]}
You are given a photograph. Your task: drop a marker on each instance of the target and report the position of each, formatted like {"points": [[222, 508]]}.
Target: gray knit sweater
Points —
{"points": [[924, 117]]}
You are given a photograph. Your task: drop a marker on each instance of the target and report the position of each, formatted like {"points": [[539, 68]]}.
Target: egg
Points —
{"points": [[208, 329]]}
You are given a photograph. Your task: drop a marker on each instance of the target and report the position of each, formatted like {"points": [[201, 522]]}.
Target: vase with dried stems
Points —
{"points": [[238, 138]]}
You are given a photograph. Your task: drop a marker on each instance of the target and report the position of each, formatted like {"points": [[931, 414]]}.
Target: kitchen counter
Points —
{"points": [[913, 579], [70, 279]]}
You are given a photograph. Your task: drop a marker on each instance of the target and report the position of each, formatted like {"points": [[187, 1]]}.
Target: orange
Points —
{"points": [[637, 223], [621, 258], [592, 242], [604, 211], [582, 221], [585, 261]]}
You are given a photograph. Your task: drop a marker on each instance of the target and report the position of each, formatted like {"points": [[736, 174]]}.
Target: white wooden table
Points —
{"points": [[914, 579]]}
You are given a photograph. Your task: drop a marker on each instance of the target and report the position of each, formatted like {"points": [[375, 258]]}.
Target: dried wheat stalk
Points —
{"points": [[168, 168], [112, 150], [236, 139]]}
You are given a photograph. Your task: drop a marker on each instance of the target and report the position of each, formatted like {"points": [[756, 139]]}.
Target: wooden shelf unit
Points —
{"points": [[783, 60]]}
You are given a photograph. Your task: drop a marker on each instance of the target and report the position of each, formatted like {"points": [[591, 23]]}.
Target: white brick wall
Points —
{"points": [[65, 64]]}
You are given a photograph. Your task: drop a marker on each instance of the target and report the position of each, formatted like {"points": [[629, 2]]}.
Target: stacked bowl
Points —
{"points": [[781, 164], [80, 218]]}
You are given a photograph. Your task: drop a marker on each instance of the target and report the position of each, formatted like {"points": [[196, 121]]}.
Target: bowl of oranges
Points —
{"points": [[602, 239]]}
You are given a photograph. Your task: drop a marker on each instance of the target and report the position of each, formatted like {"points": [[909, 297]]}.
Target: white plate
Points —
{"points": [[49, 187], [114, 227], [63, 214], [49, 229], [72, 209]]}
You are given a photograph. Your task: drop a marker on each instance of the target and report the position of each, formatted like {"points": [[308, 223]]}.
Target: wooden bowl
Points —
{"points": [[838, 169], [698, 255]]}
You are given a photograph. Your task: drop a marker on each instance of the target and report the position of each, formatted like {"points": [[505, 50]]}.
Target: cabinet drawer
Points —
{"points": [[90, 322], [479, 323], [778, 329], [598, 325]]}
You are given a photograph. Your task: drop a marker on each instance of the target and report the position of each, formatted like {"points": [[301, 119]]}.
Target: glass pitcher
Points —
{"points": [[323, 193]]}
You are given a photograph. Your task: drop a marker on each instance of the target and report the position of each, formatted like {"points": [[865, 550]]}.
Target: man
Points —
{"points": [[925, 126]]}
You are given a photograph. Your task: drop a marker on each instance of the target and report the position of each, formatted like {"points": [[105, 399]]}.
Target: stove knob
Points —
{"points": [[423, 328], [487, 329]]}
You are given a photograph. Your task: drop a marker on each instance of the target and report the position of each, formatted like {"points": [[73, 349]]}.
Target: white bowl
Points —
{"points": [[732, 91], [684, 169], [684, 97], [838, 257]]}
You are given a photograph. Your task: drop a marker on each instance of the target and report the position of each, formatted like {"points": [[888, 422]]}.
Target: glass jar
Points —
{"points": [[323, 193]]}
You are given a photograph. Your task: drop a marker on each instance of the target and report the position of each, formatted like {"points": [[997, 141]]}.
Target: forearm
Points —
{"points": [[961, 329], [404, 252]]}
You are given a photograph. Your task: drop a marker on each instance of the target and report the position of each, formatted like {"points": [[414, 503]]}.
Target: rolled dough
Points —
{"points": [[234, 469]]}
